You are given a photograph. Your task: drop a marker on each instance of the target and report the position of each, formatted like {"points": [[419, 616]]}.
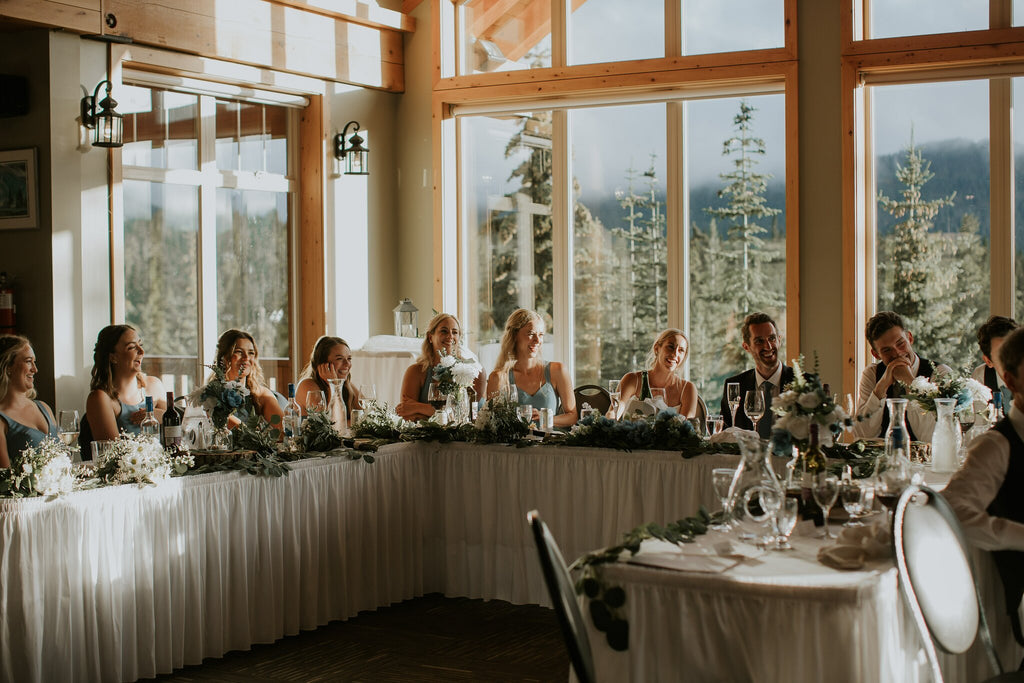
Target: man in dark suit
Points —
{"points": [[990, 338], [761, 339]]}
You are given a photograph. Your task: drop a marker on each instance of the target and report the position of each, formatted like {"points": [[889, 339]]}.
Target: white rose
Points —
{"points": [[786, 399], [447, 361], [799, 426], [921, 385], [809, 401]]}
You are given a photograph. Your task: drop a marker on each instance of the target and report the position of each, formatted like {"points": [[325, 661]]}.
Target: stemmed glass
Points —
{"points": [[732, 395], [891, 482], [857, 498], [367, 395], [721, 479], [753, 406], [435, 397], [825, 489], [68, 427], [658, 392], [785, 522], [616, 395], [316, 402]]}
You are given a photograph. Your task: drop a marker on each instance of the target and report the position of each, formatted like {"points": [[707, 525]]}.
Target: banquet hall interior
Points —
{"points": [[298, 168]]}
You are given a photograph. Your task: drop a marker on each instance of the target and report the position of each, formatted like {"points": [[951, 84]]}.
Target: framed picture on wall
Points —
{"points": [[19, 207]]}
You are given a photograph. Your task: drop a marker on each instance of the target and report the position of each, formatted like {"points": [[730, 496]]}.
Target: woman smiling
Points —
{"points": [[237, 354], [24, 421], [664, 371]]}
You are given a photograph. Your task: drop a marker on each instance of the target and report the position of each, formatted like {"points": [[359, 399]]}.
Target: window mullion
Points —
{"points": [[207, 256], [1002, 196], [677, 219], [562, 226]]}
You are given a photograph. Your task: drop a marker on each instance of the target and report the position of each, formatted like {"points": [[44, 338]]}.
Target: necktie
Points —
{"points": [[764, 427]]}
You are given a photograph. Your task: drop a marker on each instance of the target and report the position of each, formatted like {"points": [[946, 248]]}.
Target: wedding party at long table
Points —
{"points": [[122, 582]]}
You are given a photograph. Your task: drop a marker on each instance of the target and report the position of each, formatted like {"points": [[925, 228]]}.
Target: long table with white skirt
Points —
{"points": [[120, 583]]}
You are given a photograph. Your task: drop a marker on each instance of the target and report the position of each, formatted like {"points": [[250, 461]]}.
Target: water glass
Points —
{"points": [[68, 427], [316, 402], [367, 395], [714, 423], [357, 416], [658, 393], [615, 393], [721, 479], [526, 413], [857, 498], [825, 489], [753, 406], [785, 521]]}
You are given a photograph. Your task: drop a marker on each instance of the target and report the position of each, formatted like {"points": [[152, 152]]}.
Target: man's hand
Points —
{"points": [[897, 370]]}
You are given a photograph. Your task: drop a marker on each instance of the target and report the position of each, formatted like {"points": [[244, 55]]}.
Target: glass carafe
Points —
{"points": [[336, 406], [755, 494], [945, 437], [897, 422]]}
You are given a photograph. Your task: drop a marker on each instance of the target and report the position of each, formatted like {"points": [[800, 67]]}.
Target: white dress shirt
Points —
{"points": [[872, 408], [973, 488], [775, 379]]}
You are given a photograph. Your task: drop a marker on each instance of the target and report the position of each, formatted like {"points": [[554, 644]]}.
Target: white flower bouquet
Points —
{"points": [[140, 459], [220, 396], [804, 402], [963, 388], [43, 470], [455, 372]]}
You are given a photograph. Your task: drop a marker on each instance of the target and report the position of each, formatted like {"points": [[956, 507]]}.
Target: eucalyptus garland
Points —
{"points": [[666, 431], [605, 601]]}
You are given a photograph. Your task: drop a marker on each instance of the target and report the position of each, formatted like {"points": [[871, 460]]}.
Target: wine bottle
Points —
{"points": [[292, 415], [149, 426], [645, 386], [170, 430], [812, 461], [997, 407]]}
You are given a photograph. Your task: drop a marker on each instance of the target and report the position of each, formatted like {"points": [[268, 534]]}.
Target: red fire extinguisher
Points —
{"points": [[6, 305]]}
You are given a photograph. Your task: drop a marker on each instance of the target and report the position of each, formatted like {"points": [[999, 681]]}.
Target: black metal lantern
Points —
{"points": [[356, 157], [107, 125]]}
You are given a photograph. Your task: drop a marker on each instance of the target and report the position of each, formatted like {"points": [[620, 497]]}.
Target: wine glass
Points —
{"points": [[316, 402], [890, 484], [732, 395], [721, 479], [714, 423], [367, 395], [68, 427], [853, 496], [435, 397], [785, 522], [753, 406], [825, 489], [658, 393], [615, 393], [525, 413]]}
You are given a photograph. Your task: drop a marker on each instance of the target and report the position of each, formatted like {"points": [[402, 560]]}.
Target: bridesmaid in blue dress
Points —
{"points": [[443, 333], [540, 384], [24, 421], [117, 400], [238, 355]]}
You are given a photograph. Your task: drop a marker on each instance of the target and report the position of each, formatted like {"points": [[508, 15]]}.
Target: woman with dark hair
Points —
{"points": [[24, 421], [117, 400], [443, 334], [331, 359], [238, 355]]}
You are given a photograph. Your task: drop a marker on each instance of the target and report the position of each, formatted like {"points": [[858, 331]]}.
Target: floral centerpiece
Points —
{"points": [[964, 389], [803, 402], [42, 470], [453, 376], [140, 459], [220, 397], [499, 422]]}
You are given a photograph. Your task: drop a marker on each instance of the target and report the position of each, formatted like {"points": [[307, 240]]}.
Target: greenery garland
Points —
{"points": [[605, 601], [665, 431]]}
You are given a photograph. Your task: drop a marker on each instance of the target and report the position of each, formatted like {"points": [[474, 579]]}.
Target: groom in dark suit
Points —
{"points": [[761, 339]]}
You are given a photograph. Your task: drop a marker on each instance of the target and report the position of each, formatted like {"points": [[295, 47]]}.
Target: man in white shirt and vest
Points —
{"points": [[892, 345], [986, 493]]}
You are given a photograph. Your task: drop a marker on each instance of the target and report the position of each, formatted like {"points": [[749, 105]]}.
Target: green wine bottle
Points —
{"points": [[645, 386]]}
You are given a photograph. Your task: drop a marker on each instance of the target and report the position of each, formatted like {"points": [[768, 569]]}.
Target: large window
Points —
{"points": [[206, 230]]}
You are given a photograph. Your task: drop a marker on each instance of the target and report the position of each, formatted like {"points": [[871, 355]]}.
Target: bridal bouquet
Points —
{"points": [[43, 470], [140, 459], [220, 397], [964, 389], [803, 402], [454, 373]]}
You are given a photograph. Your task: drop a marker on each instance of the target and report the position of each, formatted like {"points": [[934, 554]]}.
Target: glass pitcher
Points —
{"points": [[336, 407], [945, 437], [755, 494]]}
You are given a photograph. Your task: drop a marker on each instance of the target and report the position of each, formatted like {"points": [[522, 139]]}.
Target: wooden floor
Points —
{"points": [[432, 638]]}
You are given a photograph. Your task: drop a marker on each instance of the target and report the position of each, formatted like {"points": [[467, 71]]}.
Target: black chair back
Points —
{"points": [[85, 438], [597, 397], [563, 597], [937, 576]]}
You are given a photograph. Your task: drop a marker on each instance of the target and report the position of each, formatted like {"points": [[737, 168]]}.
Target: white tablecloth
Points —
{"points": [[121, 583]]}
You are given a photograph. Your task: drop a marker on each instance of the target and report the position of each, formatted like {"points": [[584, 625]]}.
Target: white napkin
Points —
{"points": [[651, 406], [856, 545], [732, 435]]}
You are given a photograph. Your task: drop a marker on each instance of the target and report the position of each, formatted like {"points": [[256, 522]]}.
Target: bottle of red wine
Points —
{"points": [[170, 430]]}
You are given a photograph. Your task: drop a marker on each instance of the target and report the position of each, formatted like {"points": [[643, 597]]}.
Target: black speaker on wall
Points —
{"points": [[13, 95]]}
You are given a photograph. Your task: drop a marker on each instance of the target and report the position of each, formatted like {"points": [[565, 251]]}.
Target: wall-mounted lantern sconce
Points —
{"points": [[107, 125], [356, 156]]}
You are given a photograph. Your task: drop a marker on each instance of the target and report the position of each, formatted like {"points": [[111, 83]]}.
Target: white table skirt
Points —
{"points": [[121, 583]]}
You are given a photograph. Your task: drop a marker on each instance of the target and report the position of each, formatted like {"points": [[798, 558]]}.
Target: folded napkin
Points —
{"points": [[856, 545], [732, 435], [651, 406]]}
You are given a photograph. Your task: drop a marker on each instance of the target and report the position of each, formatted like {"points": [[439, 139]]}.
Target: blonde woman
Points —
{"points": [[444, 333], [331, 359], [664, 371], [539, 384], [238, 355], [118, 388], [24, 421]]}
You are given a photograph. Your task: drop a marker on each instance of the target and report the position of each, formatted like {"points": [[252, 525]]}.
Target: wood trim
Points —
{"points": [[853, 266], [1001, 175], [269, 35], [904, 47], [409, 5], [792, 108], [80, 16], [356, 12], [312, 305]]}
